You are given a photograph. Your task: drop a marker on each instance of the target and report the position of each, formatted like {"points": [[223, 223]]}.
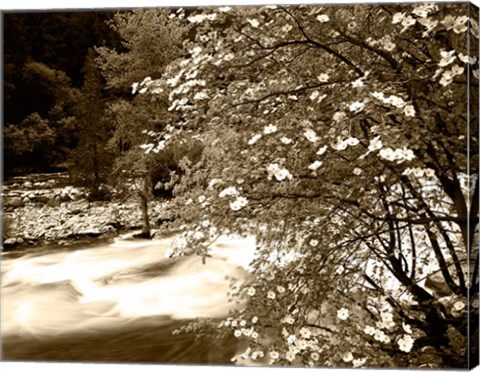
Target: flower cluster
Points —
{"points": [[395, 101], [315, 165], [457, 24], [229, 191], [356, 107], [343, 314], [323, 78], [199, 18], [311, 135], [448, 75], [419, 172], [239, 203], [269, 129], [447, 57], [341, 145], [375, 144], [254, 139], [280, 174], [420, 14], [405, 343], [399, 155], [322, 18]]}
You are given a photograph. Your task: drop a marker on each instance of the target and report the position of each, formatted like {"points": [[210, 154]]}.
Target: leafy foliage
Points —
{"points": [[32, 143], [43, 58], [339, 137], [149, 41]]}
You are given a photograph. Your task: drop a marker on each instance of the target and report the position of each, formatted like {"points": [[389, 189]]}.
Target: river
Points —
{"points": [[117, 301]]}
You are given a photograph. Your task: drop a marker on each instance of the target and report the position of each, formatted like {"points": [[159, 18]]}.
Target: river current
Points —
{"points": [[117, 301]]}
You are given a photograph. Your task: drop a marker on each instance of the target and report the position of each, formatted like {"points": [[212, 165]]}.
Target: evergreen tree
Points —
{"points": [[92, 161]]}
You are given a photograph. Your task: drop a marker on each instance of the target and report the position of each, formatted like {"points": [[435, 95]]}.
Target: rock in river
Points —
{"points": [[14, 202]]}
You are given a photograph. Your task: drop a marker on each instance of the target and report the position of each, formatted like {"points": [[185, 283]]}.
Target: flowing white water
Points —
{"points": [[112, 285]]}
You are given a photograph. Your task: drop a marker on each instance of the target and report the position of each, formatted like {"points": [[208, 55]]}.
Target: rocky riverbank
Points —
{"points": [[44, 208], [51, 189], [33, 223]]}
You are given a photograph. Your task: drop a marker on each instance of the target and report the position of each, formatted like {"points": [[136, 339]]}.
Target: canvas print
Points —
{"points": [[281, 185]]}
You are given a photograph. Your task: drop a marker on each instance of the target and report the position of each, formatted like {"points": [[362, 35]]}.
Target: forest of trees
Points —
{"points": [[68, 103], [43, 63], [344, 138]]}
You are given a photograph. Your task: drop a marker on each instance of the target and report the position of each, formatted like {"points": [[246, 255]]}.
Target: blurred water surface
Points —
{"points": [[116, 301]]}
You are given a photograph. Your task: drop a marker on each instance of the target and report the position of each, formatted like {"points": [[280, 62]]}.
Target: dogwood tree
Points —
{"points": [[346, 140]]}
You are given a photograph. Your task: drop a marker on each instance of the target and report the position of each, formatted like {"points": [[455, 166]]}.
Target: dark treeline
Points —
{"points": [[44, 59], [57, 40]]}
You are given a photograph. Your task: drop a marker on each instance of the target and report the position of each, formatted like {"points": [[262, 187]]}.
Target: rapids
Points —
{"points": [[53, 296]]}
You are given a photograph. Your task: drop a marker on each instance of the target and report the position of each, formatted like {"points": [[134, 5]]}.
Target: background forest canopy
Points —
{"points": [[44, 57], [54, 93], [339, 136]]}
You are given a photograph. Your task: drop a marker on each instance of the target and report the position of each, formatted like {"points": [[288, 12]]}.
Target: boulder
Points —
{"points": [[43, 198], [12, 242], [108, 228], [90, 232], [78, 207], [75, 197], [64, 198], [15, 202], [56, 202]]}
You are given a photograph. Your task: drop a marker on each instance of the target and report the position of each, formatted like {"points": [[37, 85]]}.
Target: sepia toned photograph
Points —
{"points": [[290, 185]]}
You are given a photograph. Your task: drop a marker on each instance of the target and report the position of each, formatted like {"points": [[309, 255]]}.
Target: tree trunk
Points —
{"points": [[145, 218], [96, 172], [144, 196]]}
